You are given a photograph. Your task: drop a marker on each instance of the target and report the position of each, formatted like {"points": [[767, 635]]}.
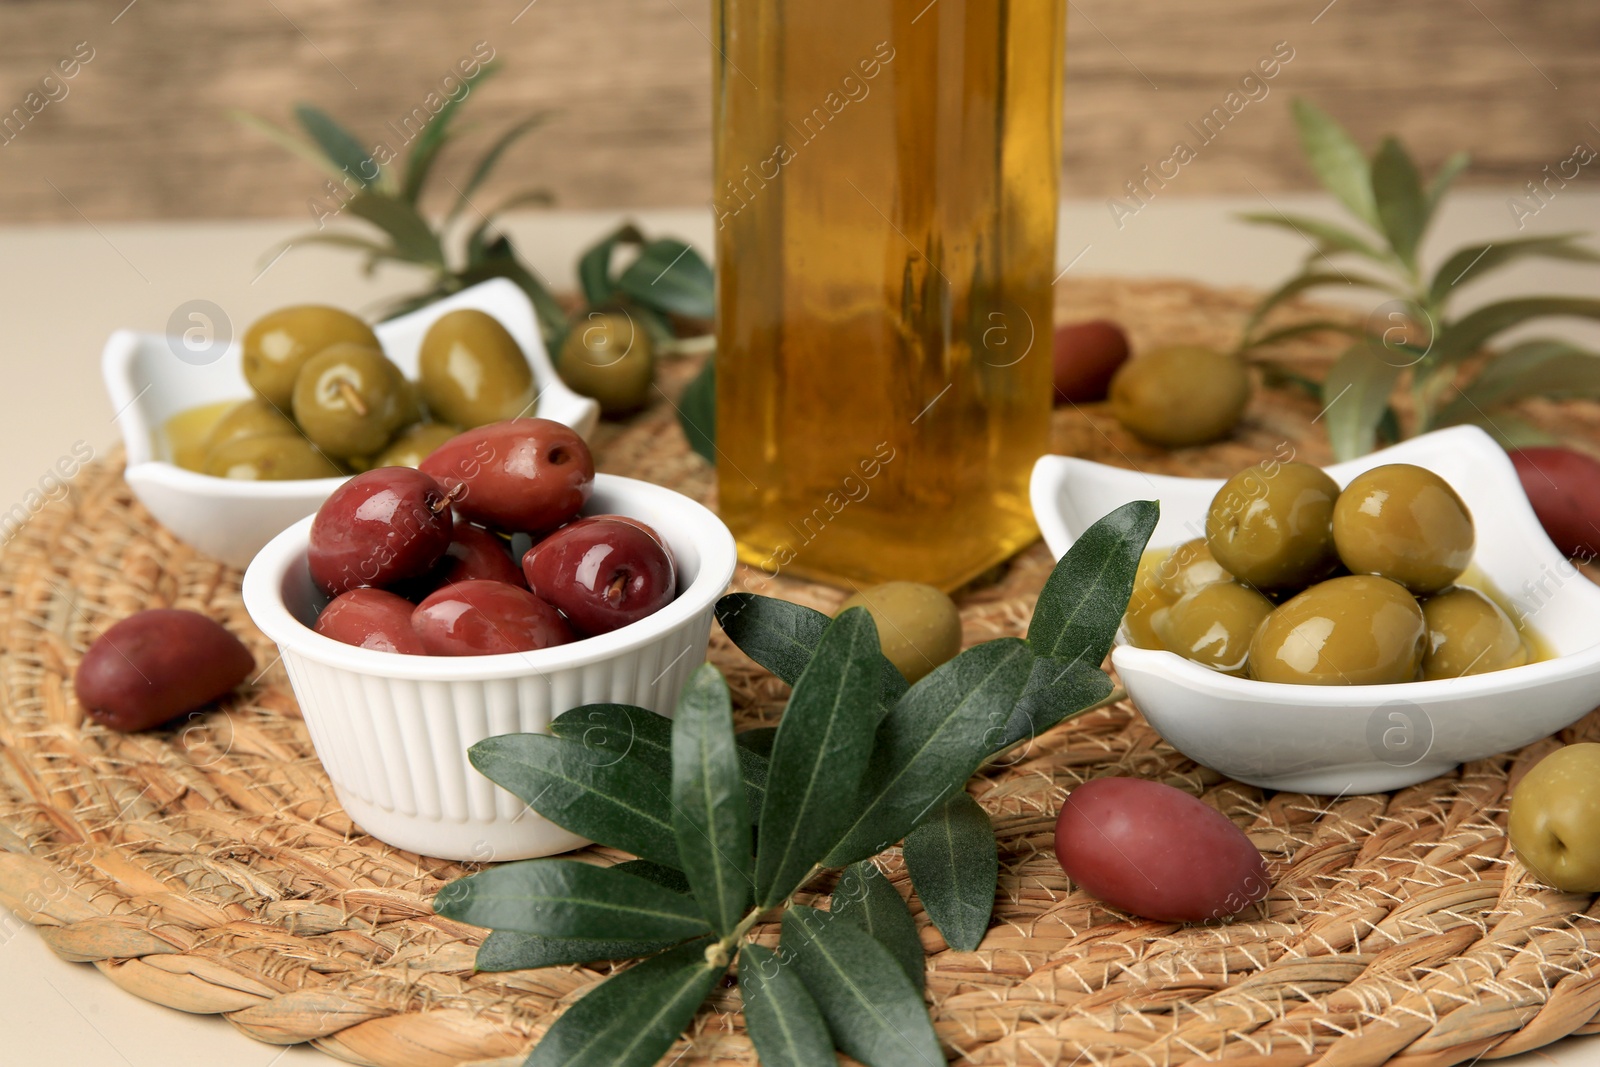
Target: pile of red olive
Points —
{"points": [[419, 561]]}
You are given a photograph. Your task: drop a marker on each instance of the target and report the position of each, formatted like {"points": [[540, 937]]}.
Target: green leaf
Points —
{"points": [[865, 897], [666, 877], [566, 898], [594, 266], [1547, 367], [1463, 337], [872, 1009], [632, 1019], [932, 740], [288, 141], [1311, 280], [1056, 691], [425, 149], [1448, 172], [954, 865], [1402, 209], [697, 411], [1473, 262], [491, 159], [596, 794], [499, 260], [504, 950], [819, 755], [671, 276], [339, 145], [784, 1022], [1299, 329], [1081, 605], [1338, 161], [1509, 430], [1356, 389], [373, 249], [413, 240], [709, 812], [1328, 237], [782, 637], [757, 740]]}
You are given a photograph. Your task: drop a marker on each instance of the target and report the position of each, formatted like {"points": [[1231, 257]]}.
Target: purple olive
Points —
{"points": [[371, 618], [485, 618], [521, 474], [157, 664], [602, 572], [379, 528]]}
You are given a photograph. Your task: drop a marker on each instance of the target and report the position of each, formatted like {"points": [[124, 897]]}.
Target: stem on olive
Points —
{"points": [[353, 398]]}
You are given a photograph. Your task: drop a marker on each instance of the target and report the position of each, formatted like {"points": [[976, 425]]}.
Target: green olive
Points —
{"points": [[277, 344], [604, 357], [414, 444], [269, 458], [1468, 634], [1356, 630], [1148, 598], [1189, 567], [918, 626], [350, 400], [1406, 524], [472, 371], [1180, 395], [249, 418], [1555, 819], [1213, 625], [1271, 525]]}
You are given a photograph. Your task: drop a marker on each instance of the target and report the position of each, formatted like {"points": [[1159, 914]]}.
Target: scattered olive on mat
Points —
{"points": [[1086, 355], [1180, 395], [415, 444], [1468, 634], [371, 618], [1555, 819], [482, 618], [919, 627], [472, 371], [158, 664], [604, 357], [279, 342], [1213, 625], [349, 400], [1355, 630], [269, 458], [1157, 852], [603, 572], [1404, 523], [521, 474], [1564, 488], [1271, 525], [380, 527]]}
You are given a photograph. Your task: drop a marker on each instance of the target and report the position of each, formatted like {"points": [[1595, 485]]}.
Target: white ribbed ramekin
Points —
{"points": [[393, 731]]}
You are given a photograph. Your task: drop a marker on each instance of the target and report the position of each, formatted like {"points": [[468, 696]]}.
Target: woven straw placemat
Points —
{"points": [[208, 867]]}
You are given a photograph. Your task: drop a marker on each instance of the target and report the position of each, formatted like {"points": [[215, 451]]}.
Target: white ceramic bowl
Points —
{"points": [[1356, 739], [393, 731], [231, 519]]}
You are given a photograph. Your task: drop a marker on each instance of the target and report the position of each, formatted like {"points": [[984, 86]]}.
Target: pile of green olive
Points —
{"points": [[1296, 581], [329, 402]]}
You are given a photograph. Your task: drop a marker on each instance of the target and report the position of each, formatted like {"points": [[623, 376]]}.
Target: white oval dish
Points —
{"points": [[231, 519], [1356, 739], [393, 731]]}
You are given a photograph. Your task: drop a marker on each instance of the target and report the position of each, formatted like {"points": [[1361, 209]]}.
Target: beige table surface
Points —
{"points": [[63, 289]]}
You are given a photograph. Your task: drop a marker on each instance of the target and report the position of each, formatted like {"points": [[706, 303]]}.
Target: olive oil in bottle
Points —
{"points": [[886, 184]]}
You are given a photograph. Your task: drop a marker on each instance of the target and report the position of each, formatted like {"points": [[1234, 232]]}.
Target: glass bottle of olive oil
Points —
{"points": [[886, 183]]}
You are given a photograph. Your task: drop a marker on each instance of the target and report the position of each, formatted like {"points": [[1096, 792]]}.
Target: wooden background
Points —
{"points": [[144, 131]]}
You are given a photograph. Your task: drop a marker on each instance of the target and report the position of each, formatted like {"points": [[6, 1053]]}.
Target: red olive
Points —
{"points": [[371, 618], [1564, 488], [521, 474], [474, 553], [157, 664], [1087, 354], [379, 528], [1156, 851], [484, 618], [602, 572]]}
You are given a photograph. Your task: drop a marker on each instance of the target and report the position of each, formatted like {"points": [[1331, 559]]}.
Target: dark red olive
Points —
{"points": [[379, 528], [1564, 488], [484, 618], [1087, 354], [602, 572], [521, 474], [155, 665], [474, 553], [371, 618]]}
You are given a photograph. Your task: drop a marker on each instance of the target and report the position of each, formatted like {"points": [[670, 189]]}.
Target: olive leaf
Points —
{"points": [[491, 158], [1356, 392], [782, 637], [1448, 172], [1300, 329], [594, 267], [818, 756], [419, 162], [784, 1022], [1311, 280], [1460, 339], [1056, 691], [697, 412], [596, 794], [670, 276], [632, 1018], [1329, 237], [1543, 367], [408, 230], [1338, 161], [567, 898], [1402, 208], [954, 865], [709, 813], [1081, 605], [506, 950], [865, 898], [1474, 261], [339, 145]]}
